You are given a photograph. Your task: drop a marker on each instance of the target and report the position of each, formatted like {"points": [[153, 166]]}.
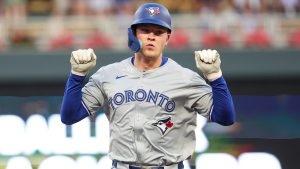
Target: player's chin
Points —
{"points": [[151, 52]]}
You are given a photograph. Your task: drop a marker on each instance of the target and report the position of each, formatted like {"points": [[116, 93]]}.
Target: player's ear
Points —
{"points": [[168, 38]]}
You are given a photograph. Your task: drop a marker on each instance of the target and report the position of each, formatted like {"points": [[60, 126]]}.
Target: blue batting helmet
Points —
{"points": [[153, 13], [150, 13]]}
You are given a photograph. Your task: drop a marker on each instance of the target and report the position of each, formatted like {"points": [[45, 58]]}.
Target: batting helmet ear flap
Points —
{"points": [[134, 44]]}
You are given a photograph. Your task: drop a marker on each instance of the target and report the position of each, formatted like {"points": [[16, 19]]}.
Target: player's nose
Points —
{"points": [[151, 35]]}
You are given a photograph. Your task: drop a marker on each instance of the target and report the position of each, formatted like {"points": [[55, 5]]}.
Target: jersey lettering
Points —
{"points": [[141, 95]]}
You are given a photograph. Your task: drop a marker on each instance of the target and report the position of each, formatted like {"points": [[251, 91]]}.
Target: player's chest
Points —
{"points": [[145, 83], [154, 93]]}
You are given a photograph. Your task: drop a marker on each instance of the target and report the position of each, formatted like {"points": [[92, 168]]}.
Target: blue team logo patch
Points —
{"points": [[163, 124], [153, 10]]}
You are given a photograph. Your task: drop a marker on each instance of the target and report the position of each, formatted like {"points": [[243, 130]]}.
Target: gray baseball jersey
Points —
{"points": [[152, 114]]}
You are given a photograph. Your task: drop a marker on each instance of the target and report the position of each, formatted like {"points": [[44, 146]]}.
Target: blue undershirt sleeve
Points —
{"points": [[223, 111], [72, 108]]}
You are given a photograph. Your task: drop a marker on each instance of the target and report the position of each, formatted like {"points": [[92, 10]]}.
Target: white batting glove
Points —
{"points": [[82, 61], [208, 61]]}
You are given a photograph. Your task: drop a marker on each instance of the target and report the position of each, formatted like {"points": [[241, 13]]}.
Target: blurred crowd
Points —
{"points": [[215, 20]]}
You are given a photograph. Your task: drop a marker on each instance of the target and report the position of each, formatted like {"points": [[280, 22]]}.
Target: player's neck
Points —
{"points": [[144, 63]]}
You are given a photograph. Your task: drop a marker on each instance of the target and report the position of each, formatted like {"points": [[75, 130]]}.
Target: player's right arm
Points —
{"points": [[223, 111], [72, 108]]}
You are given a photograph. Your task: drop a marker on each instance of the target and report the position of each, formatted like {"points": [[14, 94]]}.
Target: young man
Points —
{"points": [[151, 102]]}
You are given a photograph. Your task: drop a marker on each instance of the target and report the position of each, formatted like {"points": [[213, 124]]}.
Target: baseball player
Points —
{"points": [[151, 101]]}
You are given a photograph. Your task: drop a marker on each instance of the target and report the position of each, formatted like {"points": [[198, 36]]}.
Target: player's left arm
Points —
{"points": [[209, 62]]}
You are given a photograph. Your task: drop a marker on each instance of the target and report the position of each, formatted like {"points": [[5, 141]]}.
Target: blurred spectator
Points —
{"points": [[248, 23], [61, 7], [97, 40], [79, 8], [100, 7], [251, 32], [15, 17], [245, 5], [270, 6], [56, 35], [290, 7], [39, 7], [294, 39], [1, 8], [15, 9], [124, 7], [216, 19], [222, 23], [181, 6], [275, 6], [258, 38], [3, 36], [123, 10], [179, 39]]}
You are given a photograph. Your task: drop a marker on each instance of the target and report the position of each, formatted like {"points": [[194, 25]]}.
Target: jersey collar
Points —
{"points": [[164, 60]]}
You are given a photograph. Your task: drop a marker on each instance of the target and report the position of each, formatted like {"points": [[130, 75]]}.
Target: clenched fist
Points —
{"points": [[82, 61], [208, 61]]}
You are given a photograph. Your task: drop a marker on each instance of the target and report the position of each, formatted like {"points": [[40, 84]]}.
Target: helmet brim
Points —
{"points": [[151, 21]]}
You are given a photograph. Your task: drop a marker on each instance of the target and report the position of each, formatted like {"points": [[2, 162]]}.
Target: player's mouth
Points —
{"points": [[150, 45]]}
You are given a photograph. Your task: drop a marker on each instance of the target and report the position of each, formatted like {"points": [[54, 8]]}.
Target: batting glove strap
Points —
{"points": [[213, 76]]}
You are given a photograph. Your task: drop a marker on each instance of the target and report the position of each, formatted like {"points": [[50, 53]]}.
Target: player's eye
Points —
{"points": [[158, 32], [145, 30]]}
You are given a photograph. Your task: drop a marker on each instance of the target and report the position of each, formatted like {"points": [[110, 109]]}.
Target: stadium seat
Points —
{"points": [[257, 38], [178, 40], [18, 162], [211, 39], [97, 40], [58, 162], [2, 45], [216, 161], [294, 39], [64, 41], [258, 161]]}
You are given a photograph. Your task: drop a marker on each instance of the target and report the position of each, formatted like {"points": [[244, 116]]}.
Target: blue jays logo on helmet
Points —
{"points": [[153, 10], [163, 124]]}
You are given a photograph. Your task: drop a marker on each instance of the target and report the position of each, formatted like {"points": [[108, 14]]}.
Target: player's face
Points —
{"points": [[154, 38]]}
